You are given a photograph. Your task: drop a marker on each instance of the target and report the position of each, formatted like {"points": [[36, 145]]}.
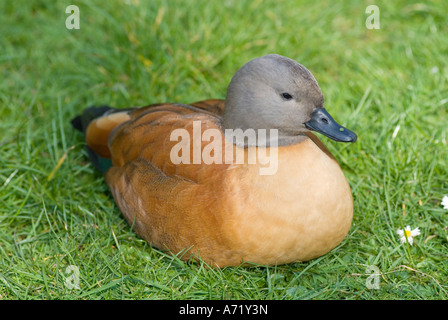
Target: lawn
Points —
{"points": [[390, 85]]}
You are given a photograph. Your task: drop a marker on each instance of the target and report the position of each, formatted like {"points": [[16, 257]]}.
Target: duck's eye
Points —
{"points": [[286, 96]]}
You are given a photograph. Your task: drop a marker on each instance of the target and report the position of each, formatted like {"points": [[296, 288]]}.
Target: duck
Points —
{"points": [[237, 181]]}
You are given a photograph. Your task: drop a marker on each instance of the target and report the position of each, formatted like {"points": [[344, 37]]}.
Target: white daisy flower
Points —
{"points": [[444, 202], [408, 233]]}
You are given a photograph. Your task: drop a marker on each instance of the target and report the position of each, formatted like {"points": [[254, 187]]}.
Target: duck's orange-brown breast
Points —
{"points": [[301, 212]]}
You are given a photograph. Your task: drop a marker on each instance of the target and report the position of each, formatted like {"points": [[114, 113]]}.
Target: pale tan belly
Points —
{"points": [[301, 212]]}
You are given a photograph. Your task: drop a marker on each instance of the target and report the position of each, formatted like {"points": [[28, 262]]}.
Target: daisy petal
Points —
{"points": [[407, 235], [444, 202]]}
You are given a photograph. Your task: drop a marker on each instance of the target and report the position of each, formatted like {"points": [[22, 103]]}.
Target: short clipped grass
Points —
{"points": [[388, 85]]}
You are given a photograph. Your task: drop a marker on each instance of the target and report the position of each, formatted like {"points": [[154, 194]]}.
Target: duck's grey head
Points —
{"points": [[275, 92]]}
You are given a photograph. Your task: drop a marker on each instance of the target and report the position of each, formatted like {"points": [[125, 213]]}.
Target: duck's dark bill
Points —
{"points": [[322, 122]]}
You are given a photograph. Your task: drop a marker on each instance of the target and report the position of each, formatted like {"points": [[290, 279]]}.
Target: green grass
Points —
{"points": [[387, 85]]}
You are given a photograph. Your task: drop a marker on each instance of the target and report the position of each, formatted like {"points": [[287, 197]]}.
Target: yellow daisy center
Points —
{"points": [[407, 233]]}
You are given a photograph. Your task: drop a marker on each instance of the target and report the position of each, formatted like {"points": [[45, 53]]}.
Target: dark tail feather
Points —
{"points": [[100, 163], [76, 123], [81, 122]]}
